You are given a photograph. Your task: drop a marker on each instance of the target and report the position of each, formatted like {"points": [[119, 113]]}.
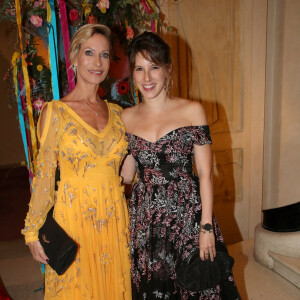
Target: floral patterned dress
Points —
{"points": [[165, 211], [89, 204]]}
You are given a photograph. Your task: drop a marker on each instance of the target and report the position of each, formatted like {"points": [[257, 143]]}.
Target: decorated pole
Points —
{"points": [[27, 87]]}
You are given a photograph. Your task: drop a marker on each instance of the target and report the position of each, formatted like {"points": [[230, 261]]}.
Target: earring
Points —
{"points": [[166, 85], [74, 70]]}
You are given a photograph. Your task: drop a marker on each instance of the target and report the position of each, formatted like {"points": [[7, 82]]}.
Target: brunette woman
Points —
{"points": [[171, 209]]}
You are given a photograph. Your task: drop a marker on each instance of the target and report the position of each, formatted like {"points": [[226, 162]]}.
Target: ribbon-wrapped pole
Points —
{"points": [[14, 61], [27, 86]]}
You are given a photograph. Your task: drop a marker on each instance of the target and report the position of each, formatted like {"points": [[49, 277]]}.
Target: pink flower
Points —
{"points": [[103, 5], [36, 21], [129, 33], [38, 104], [40, 3], [73, 14]]}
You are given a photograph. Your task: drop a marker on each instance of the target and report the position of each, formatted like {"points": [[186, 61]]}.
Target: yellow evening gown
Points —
{"points": [[89, 204]]}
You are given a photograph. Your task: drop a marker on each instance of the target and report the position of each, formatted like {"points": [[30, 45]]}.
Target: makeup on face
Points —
{"points": [[93, 60], [149, 77]]}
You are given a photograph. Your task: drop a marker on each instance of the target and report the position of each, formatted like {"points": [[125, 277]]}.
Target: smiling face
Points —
{"points": [[92, 61], [149, 77]]}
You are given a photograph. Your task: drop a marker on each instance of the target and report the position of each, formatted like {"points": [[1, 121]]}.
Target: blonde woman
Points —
{"points": [[86, 136]]}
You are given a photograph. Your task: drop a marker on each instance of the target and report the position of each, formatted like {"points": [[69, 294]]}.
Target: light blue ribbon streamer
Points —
{"points": [[43, 269], [52, 34]]}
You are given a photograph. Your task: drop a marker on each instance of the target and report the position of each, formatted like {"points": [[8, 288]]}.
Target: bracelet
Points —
{"points": [[206, 227], [204, 231]]}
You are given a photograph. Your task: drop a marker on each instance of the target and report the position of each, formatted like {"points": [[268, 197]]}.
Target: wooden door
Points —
{"points": [[218, 54]]}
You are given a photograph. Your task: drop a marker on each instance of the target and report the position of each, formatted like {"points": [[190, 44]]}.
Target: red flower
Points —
{"points": [[101, 92], [92, 19], [129, 33], [122, 87], [73, 14]]}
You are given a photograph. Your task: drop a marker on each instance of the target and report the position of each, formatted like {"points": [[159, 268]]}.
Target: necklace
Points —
{"points": [[88, 103]]}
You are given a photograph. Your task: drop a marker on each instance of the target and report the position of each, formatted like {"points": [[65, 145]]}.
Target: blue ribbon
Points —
{"points": [[52, 34], [43, 269]]}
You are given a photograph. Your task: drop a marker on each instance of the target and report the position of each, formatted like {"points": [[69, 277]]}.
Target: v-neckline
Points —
{"points": [[165, 135], [84, 123]]}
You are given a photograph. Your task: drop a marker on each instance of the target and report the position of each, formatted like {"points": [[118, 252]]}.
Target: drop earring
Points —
{"points": [[166, 85], [74, 70]]}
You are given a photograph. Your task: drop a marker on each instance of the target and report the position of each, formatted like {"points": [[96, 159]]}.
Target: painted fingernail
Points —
{"points": [[47, 260]]}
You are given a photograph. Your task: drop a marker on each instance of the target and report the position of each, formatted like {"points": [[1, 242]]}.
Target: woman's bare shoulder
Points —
{"points": [[68, 99], [128, 113], [192, 110]]}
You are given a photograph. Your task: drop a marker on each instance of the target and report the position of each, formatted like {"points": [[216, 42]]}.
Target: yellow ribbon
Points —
{"points": [[87, 7], [27, 86], [14, 61]]}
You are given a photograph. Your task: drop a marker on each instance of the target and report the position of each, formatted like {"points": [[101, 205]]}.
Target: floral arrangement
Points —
{"points": [[125, 18], [120, 92], [32, 70]]}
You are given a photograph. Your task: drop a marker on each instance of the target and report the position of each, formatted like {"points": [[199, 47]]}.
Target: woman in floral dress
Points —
{"points": [[168, 216], [86, 136]]}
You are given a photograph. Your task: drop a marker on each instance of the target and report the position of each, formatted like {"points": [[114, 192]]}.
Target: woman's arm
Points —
{"points": [[203, 161], [128, 169], [42, 198]]}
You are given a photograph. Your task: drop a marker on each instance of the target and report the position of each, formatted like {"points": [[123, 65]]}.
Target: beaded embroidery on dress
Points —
{"points": [[89, 204], [165, 214]]}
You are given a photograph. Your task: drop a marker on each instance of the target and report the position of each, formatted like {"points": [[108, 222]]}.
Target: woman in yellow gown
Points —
{"points": [[85, 136]]}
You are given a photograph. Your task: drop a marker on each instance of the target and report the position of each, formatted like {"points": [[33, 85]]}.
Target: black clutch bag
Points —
{"points": [[58, 246], [194, 275]]}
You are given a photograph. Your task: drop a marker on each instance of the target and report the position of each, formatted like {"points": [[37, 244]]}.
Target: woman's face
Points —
{"points": [[93, 60], [149, 78]]}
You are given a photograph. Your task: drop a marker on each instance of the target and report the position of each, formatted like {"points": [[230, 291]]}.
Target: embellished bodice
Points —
{"points": [[170, 157], [85, 152]]}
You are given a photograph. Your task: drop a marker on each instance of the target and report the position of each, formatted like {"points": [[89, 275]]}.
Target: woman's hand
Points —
{"points": [[207, 245], [37, 252]]}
